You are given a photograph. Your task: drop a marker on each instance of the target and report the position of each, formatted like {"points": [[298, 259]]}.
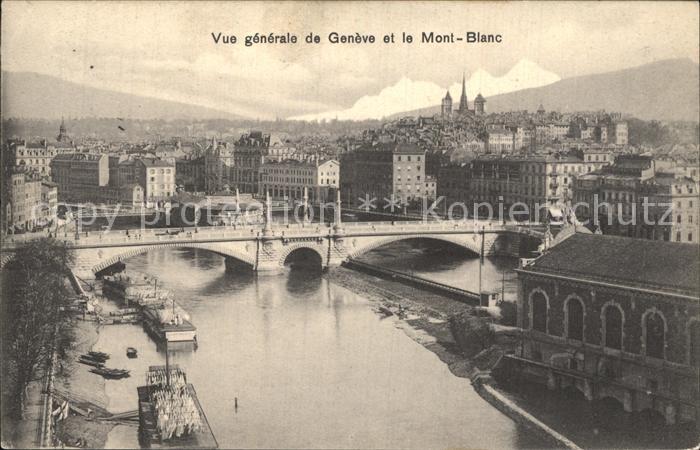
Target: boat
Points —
{"points": [[98, 356], [124, 312], [134, 289], [169, 325], [131, 352], [170, 415], [112, 374], [386, 311], [90, 362]]}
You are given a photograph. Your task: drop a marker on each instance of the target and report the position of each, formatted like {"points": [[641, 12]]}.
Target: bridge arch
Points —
{"points": [[358, 247], [110, 256], [288, 250]]}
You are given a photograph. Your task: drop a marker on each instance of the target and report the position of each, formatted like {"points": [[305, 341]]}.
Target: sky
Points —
{"points": [[166, 50]]}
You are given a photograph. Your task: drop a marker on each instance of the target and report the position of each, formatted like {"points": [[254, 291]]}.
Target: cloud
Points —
{"points": [[407, 95], [156, 50]]}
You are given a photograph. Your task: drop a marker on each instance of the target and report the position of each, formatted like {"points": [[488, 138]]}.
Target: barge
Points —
{"points": [[170, 415], [176, 328], [162, 317]]}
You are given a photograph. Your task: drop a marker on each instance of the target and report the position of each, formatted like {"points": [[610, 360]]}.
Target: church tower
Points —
{"points": [[446, 110], [62, 134], [479, 103], [463, 106]]}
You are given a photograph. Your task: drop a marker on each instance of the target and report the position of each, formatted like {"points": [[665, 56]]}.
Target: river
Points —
{"points": [[309, 361], [443, 262]]}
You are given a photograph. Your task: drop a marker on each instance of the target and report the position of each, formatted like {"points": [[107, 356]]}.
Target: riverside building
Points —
{"points": [[626, 326]]}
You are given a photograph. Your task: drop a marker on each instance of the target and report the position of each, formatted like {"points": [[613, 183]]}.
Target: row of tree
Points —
{"points": [[35, 321]]}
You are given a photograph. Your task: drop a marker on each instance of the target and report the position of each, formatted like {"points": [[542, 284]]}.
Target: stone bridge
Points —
{"points": [[264, 248]]}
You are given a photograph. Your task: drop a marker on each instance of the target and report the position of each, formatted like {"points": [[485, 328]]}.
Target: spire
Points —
{"points": [[62, 135], [463, 106]]}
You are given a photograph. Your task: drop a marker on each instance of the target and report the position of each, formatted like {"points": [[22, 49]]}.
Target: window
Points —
{"points": [[399, 157], [654, 328], [409, 158], [678, 236], [574, 319], [690, 237], [539, 312], [612, 321]]}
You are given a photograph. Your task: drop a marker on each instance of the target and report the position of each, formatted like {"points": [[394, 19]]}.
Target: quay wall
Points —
{"points": [[489, 393]]}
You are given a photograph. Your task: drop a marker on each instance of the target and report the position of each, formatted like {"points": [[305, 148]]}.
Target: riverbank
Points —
{"points": [[75, 381], [424, 315], [437, 322]]}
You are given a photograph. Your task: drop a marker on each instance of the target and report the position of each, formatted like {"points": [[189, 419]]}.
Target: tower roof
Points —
{"points": [[479, 98], [448, 95], [463, 106]]}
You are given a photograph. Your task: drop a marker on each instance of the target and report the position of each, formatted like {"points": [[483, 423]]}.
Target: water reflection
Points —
{"points": [[310, 364], [447, 263]]}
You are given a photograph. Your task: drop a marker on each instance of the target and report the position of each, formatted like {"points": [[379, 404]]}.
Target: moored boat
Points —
{"points": [[131, 352], [97, 356], [90, 362], [167, 326], [113, 374]]}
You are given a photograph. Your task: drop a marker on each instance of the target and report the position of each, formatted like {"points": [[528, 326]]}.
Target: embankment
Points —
{"points": [[75, 381], [455, 332], [519, 415]]}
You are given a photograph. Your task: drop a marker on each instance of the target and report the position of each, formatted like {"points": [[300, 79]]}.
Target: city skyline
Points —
{"points": [[153, 51], [425, 225]]}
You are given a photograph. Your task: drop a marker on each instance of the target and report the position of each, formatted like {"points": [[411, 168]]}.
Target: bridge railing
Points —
{"points": [[188, 234]]}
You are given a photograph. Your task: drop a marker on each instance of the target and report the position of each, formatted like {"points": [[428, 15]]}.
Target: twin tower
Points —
{"points": [[479, 103]]}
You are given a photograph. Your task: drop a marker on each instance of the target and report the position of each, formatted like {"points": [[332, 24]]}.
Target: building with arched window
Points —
{"points": [[614, 317]]}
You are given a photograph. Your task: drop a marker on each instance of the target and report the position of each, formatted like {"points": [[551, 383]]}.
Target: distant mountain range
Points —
{"points": [[32, 95], [407, 94], [663, 90]]}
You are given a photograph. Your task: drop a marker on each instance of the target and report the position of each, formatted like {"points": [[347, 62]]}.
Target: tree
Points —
{"points": [[35, 322]]}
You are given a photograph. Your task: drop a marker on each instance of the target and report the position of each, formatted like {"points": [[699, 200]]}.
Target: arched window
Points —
{"points": [[539, 312], [574, 319], [694, 347], [612, 317], [655, 335]]}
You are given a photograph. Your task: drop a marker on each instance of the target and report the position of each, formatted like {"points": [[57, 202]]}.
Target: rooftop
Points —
{"points": [[641, 263], [155, 163], [78, 157]]}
